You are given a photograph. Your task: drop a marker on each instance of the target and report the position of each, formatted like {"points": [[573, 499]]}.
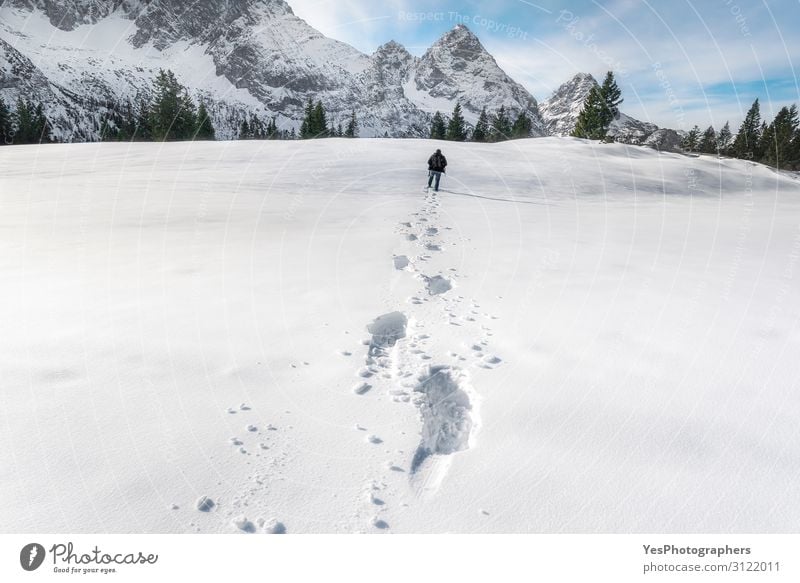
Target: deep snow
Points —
{"points": [[578, 338]]}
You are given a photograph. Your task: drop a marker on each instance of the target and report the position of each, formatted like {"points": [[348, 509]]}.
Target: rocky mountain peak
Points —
{"points": [[391, 50], [460, 43]]}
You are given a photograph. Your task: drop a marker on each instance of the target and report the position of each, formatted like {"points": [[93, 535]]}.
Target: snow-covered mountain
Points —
{"points": [[560, 112], [239, 56], [244, 56]]}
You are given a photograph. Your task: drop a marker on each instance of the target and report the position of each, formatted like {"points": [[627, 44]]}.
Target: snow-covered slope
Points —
{"points": [[572, 337], [560, 112], [248, 55]]}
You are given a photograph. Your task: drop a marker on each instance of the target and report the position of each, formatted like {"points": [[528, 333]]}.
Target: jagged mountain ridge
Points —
{"points": [[241, 56]]}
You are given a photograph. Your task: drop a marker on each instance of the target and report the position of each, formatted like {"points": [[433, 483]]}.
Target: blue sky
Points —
{"points": [[678, 62]]}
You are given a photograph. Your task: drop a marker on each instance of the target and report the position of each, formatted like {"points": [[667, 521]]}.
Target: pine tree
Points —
{"points": [[456, 131], [6, 125], [41, 126], [257, 129], [611, 98], [352, 126], [205, 129], [305, 127], [795, 149], [142, 128], [320, 122], [244, 131], [589, 124], [691, 140], [24, 123], [481, 131], [501, 126], [172, 113], [778, 139], [438, 129], [724, 138], [522, 126], [708, 141], [746, 144]]}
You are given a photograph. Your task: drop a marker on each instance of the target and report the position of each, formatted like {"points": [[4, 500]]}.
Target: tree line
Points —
{"points": [[25, 125], [776, 144], [496, 127], [165, 113]]}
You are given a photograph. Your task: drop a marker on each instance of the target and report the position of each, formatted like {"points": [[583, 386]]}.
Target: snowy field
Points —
{"points": [[570, 338]]}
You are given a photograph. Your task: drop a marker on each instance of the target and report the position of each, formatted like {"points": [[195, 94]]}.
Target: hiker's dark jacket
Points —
{"points": [[437, 163]]}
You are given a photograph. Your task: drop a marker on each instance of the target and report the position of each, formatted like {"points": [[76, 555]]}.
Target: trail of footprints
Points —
{"points": [[398, 359], [398, 364]]}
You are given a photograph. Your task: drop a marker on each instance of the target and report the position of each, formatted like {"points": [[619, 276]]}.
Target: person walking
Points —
{"points": [[436, 167]]}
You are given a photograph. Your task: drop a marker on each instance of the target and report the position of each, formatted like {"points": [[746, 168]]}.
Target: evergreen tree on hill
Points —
{"points": [[708, 141], [172, 113], [611, 98], [522, 126], [724, 139], [205, 129], [456, 131], [778, 140], [589, 124], [320, 123], [481, 131], [438, 128], [501, 126], [746, 144], [6, 125], [691, 142], [352, 126]]}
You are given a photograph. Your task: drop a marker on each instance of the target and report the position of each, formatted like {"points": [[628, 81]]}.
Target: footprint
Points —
{"points": [[273, 526], [386, 330], [204, 504], [447, 414], [437, 284], [400, 261], [362, 388], [490, 361], [243, 524], [377, 522]]}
